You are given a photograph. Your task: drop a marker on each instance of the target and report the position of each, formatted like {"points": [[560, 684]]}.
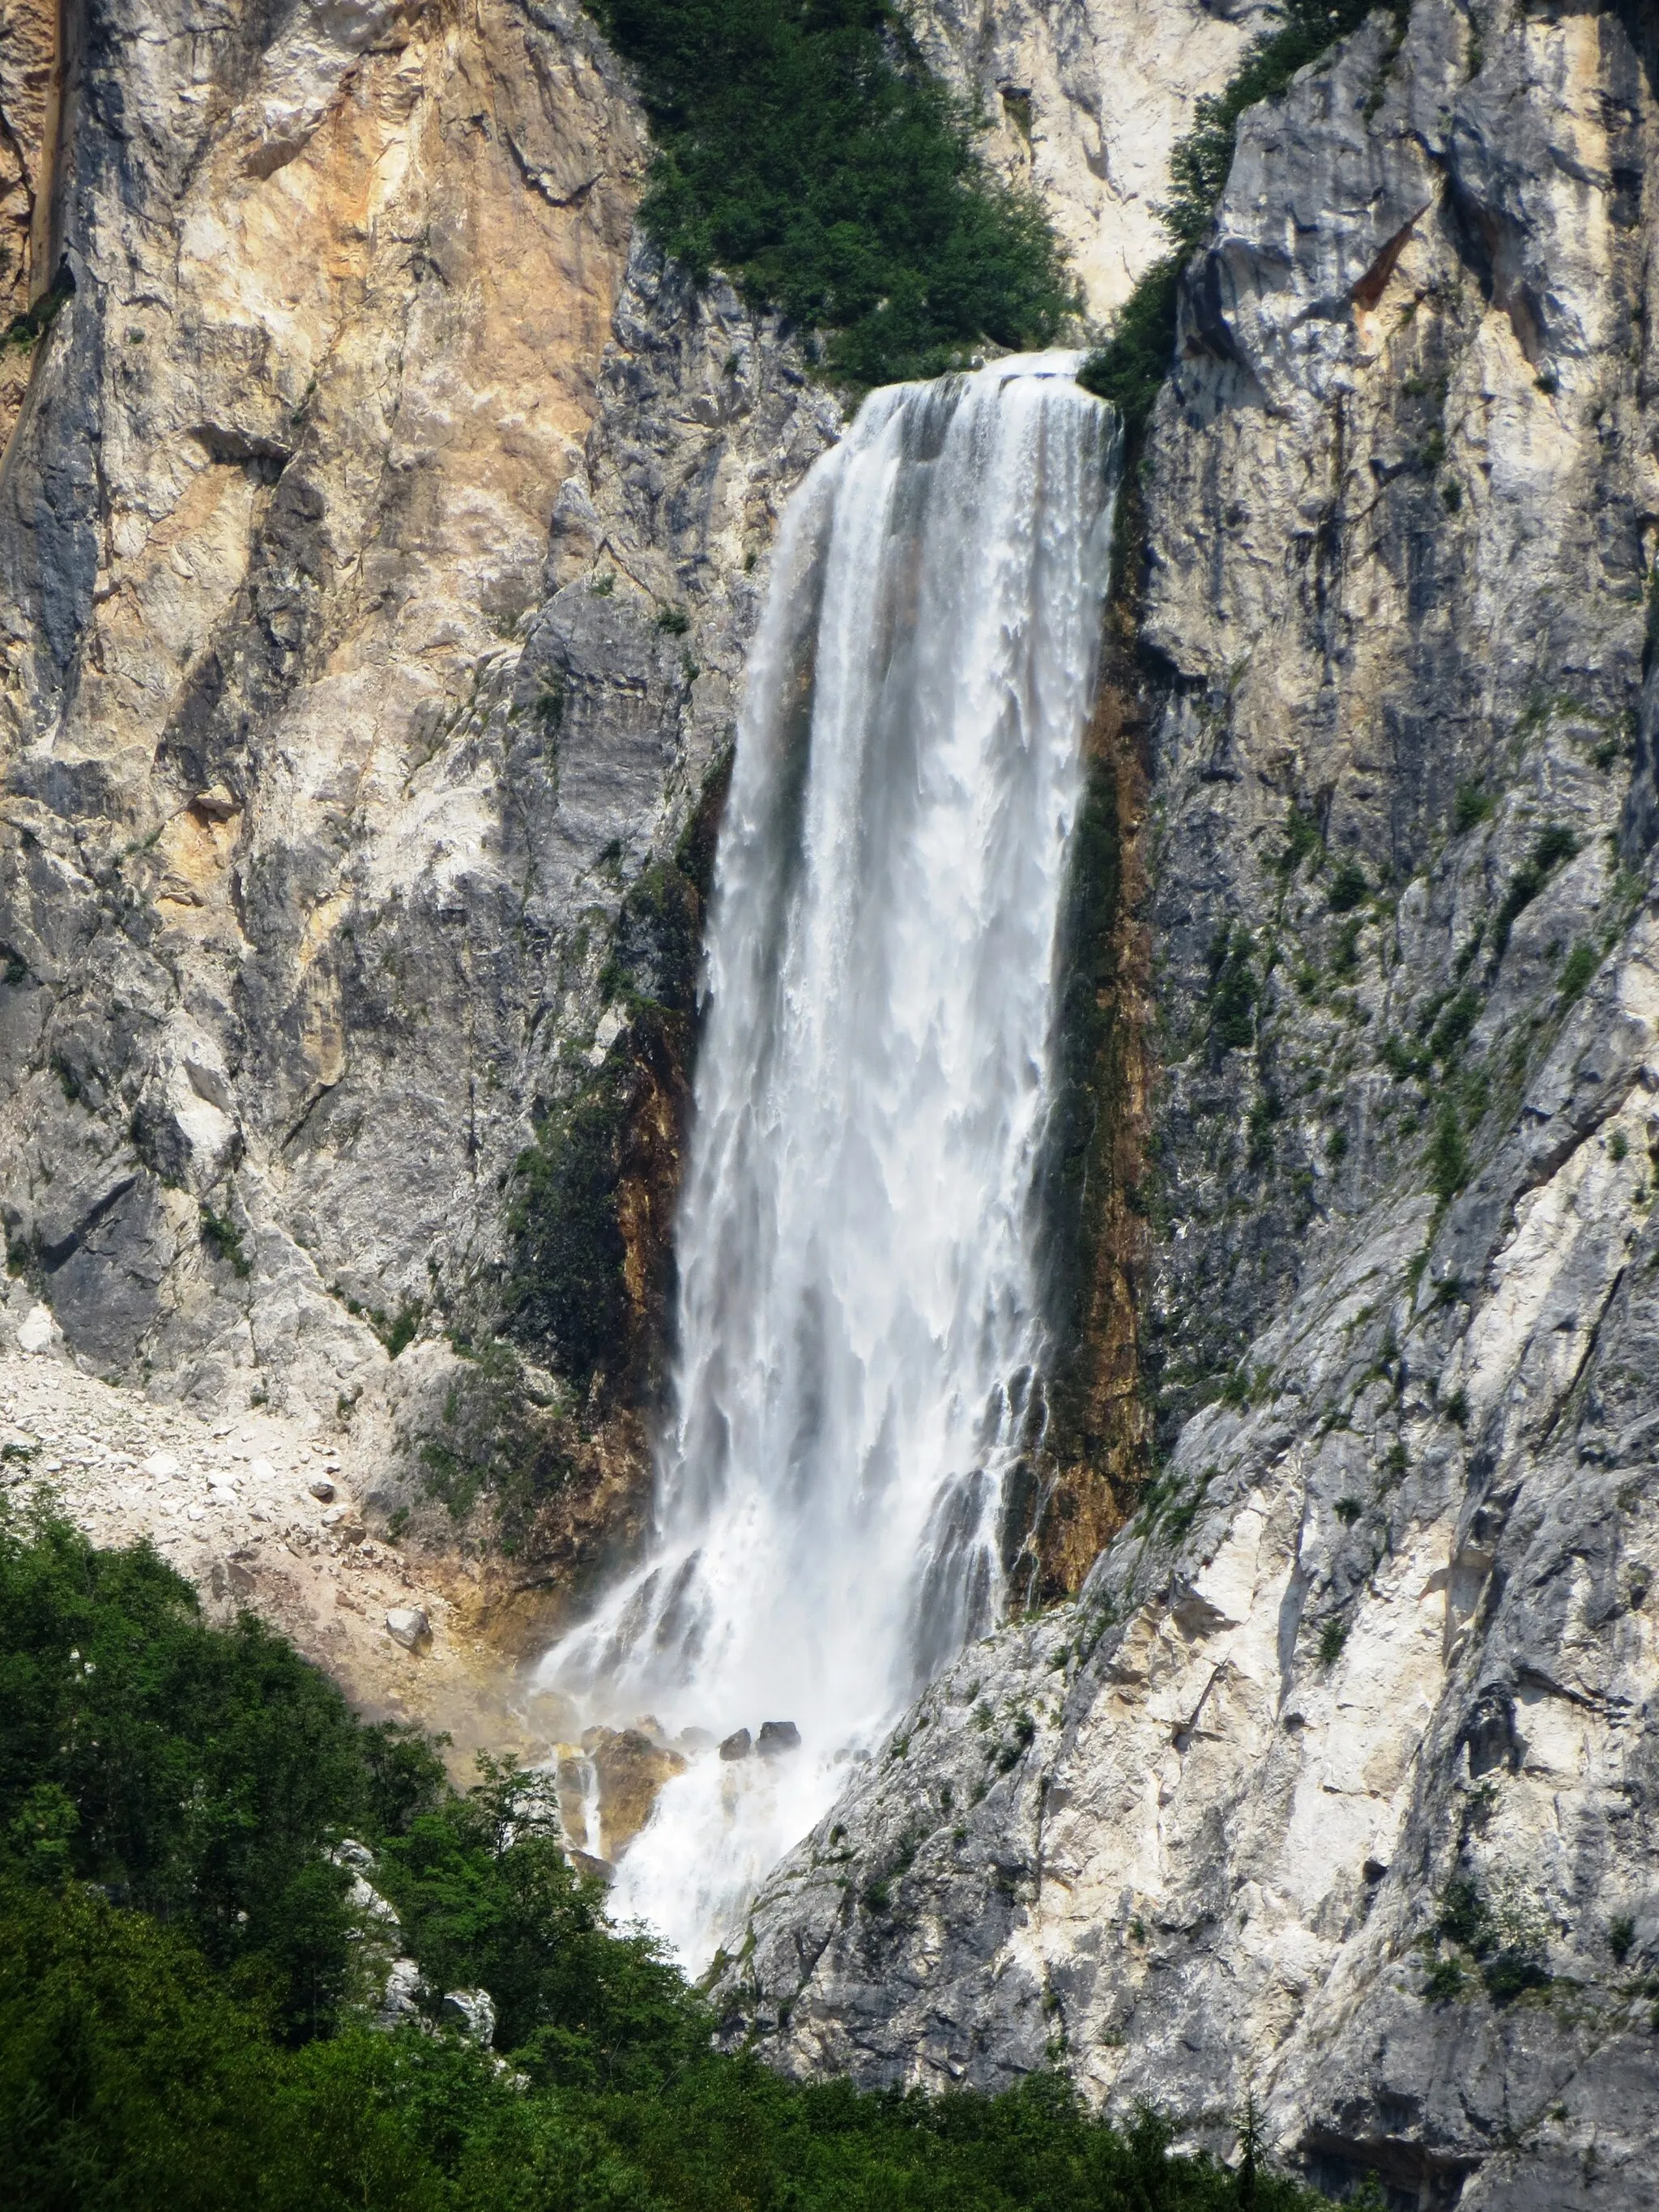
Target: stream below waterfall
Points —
{"points": [[859, 1330]]}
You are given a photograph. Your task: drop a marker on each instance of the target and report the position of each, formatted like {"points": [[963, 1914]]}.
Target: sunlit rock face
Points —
{"points": [[1083, 100], [1338, 1782], [367, 430]]}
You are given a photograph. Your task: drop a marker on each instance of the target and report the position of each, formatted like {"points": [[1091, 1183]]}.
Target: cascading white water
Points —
{"points": [[859, 1326]]}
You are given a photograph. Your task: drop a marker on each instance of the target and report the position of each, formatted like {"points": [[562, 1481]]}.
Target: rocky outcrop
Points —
{"points": [[33, 282], [382, 526], [1083, 100], [1337, 1781]]}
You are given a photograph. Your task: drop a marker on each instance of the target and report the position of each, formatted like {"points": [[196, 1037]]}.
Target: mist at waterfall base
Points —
{"points": [[858, 1323]]}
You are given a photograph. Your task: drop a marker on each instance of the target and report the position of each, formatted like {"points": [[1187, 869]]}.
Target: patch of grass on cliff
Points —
{"points": [[806, 150], [1129, 369], [181, 2030]]}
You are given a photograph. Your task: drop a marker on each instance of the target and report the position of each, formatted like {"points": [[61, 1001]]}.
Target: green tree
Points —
{"points": [[806, 150]]}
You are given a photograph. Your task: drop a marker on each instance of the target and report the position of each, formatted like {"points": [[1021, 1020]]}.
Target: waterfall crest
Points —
{"points": [[859, 1326]]}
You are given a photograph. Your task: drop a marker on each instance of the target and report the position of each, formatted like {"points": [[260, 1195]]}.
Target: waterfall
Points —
{"points": [[859, 1340]]}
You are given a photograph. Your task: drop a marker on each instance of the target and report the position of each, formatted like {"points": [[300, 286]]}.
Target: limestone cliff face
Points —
{"points": [[377, 549], [283, 476], [1084, 100], [1339, 1779], [380, 533]]}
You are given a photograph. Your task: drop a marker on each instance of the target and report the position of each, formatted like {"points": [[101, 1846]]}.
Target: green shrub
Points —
{"points": [[549, 704], [808, 152], [1332, 1637], [1233, 989], [566, 1290], [221, 1235], [1554, 844], [1465, 1917], [1348, 885], [1511, 1971], [1451, 1031], [1129, 369], [1449, 1154], [1301, 837], [1399, 1060], [1446, 1982], [1471, 807], [1580, 964], [1345, 953], [36, 321]]}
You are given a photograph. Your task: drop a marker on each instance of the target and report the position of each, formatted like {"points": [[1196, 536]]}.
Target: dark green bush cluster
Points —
{"points": [[1133, 364], [221, 1235], [566, 1290], [805, 150], [22, 330], [1302, 837], [187, 1772], [1449, 1154], [174, 1947], [1507, 1951]]}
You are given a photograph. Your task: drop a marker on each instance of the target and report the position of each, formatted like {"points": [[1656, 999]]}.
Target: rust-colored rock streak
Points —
{"points": [[30, 87], [1102, 1427]]}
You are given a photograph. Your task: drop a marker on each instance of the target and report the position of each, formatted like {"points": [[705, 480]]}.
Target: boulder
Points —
{"points": [[408, 1624], [401, 2000], [737, 1745], [777, 1737], [472, 2011], [37, 1331], [629, 1770], [321, 1487]]}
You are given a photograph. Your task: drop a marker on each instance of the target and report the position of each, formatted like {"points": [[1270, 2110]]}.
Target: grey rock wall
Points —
{"points": [[1338, 1782], [368, 434]]}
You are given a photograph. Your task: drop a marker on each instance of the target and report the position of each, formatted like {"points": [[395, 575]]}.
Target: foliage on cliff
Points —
{"points": [[805, 150], [1130, 367], [179, 2030]]}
